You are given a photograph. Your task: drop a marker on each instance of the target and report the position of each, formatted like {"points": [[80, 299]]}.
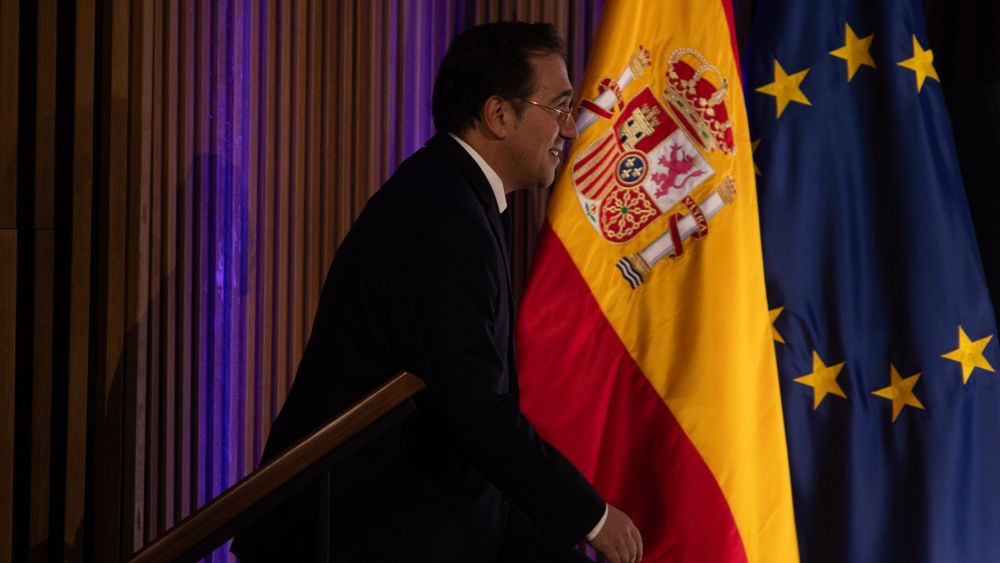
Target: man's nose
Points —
{"points": [[568, 131]]}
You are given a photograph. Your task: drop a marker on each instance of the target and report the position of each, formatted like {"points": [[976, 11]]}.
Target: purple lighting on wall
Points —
{"points": [[222, 187]]}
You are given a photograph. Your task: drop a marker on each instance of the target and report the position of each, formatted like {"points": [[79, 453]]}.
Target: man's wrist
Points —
{"points": [[600, 524]]}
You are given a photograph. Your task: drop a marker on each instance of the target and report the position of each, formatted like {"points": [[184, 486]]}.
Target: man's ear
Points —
{"points": [[498, 116]]}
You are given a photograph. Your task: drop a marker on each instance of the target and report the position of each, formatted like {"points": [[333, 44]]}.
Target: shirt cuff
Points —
{"points": [[600, 524]]}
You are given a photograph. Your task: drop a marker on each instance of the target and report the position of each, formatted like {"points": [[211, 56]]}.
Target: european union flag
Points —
{"points": [[885, 335]]}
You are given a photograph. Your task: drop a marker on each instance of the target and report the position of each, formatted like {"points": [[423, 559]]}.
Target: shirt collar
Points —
{"points": [[495, 183]]}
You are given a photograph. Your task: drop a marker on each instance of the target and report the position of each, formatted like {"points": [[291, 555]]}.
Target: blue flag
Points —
{"points": [[885, 335]]}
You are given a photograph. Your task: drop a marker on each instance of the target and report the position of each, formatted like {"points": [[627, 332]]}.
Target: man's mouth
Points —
{"points": [[555, 152]]}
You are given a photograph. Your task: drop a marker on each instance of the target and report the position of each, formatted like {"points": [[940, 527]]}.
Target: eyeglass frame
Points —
{"points": [[562, 117]]}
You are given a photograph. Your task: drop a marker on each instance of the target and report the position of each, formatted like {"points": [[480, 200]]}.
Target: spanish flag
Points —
{"points": [[645, 344]]}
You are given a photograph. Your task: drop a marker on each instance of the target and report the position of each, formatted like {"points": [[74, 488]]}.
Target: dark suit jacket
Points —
{"points": [[421, 283]]}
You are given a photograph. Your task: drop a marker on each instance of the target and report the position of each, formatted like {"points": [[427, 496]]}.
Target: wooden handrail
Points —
{"points": [[216, 520]]}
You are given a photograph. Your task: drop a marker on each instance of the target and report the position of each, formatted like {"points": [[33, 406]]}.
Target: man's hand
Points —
{"points": [[619, 540]]}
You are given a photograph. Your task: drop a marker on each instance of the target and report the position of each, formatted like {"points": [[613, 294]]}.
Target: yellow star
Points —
{"points": [[823, 380], [785, 88], [753, 147], [855, 51], [969, 354], [774, 331], [922, 63], [900, 391]]}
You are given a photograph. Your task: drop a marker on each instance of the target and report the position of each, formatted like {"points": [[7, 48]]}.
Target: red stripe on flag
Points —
{"points": [[601, 179], [601, 165], [586, 395]]}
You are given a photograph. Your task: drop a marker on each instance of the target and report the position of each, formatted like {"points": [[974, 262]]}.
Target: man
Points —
{"points": [[421, 283]]}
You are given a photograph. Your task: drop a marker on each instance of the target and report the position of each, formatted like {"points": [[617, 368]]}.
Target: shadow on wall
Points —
{"points": [[173, 430]]}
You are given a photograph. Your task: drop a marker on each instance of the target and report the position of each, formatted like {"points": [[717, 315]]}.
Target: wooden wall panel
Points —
{"points": [[220, 153], [78, 415]]}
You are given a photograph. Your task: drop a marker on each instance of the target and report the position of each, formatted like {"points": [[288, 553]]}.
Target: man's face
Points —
{"points": [[537, 142]]}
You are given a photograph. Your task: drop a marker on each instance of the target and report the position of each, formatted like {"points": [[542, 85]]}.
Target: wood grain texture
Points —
{"points": [[41, 396], [8, 344], [10, 33], [111, 262], [135, 358], [45, 114], [80, 338]]}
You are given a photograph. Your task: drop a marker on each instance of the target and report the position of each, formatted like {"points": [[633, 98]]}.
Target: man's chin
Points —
{"points": [[542, 185]]}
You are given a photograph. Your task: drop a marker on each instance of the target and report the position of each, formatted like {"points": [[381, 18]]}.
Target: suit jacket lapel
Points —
{"points": [[443, 144]]}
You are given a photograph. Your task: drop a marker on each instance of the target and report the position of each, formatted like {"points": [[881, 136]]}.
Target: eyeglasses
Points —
{"points": [[562, 116]]}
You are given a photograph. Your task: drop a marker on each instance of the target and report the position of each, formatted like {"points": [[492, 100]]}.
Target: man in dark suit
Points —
{"points": [[421, 283]]}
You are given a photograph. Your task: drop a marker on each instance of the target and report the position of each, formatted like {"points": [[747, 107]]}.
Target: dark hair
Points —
{"points": [[487, 60]]}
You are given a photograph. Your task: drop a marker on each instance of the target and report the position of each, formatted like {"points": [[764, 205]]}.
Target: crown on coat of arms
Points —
{"points": [[697, 103]]}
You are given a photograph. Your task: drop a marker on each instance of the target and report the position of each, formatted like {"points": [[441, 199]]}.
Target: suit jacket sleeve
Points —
{"points": [[457, 302]]}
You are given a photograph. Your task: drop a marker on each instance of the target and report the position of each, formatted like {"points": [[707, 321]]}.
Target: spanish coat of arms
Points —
{"points": [[652, 158]]}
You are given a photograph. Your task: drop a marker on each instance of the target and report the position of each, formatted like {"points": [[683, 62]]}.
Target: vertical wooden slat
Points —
{"points": [[202, 252], [44, 287], [343, 93], [412, 38], [8, 343], [41, 396], [187, 257], [254, 373], [238, 247], [297, 208], [137, 274], [154, 363], [111, 299], [45, 112], [328, 166], [9, 70], [314, 123], [9, 53], [284, 186], [266, 218], [80, 288], [387, 89], [213, 277], [171, 367], [371, 51], [402, 57]]}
